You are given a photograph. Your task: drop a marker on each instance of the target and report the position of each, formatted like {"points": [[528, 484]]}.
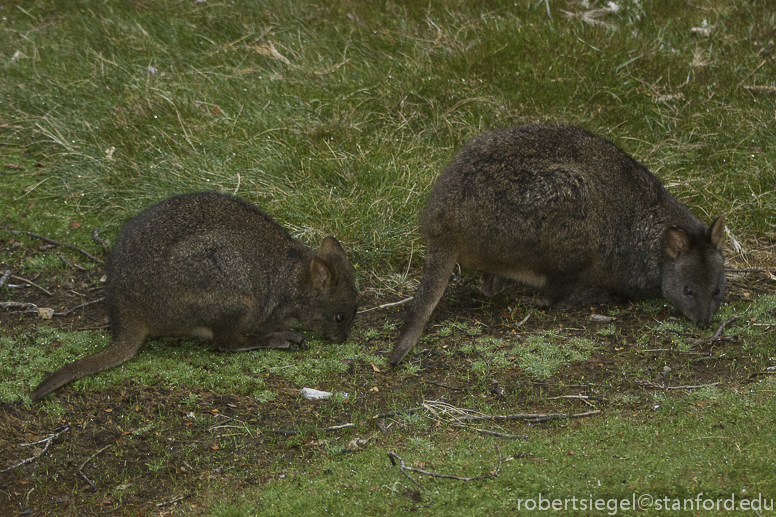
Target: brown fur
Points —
{"points": [[566, 211], [213, 266]]}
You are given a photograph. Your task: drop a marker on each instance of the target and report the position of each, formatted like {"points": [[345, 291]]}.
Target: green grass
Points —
{"points": [[107, 107], [708, 442], [344, 134]]}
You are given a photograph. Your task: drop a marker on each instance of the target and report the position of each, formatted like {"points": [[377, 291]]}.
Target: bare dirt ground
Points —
{"points": [[107, 430]]}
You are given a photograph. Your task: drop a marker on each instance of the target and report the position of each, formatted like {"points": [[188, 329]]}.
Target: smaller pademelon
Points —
{"points": [[214, 266]]}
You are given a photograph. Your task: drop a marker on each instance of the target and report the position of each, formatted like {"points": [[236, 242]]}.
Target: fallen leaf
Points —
{"points": [[375, 368], [74, 225]]}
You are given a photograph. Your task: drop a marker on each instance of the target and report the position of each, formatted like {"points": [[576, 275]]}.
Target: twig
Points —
{"points": [[31, 283], [81, 472], [487, 363], [69, 264], [580, 397], [692, 387], [673, 351], [18, 305], [99, 240], [718, 333], [338, 427], [50, 438], [391, 456], [532, 417], [5, 277], [69, 311], [56, 243], [651, 384], [383, 306], [404, 467], [284, 432], [174, 500]]}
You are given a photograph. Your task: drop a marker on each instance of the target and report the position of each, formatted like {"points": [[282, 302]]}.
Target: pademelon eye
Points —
{"points": [[687, 290], [716, 291], [339, 318]]}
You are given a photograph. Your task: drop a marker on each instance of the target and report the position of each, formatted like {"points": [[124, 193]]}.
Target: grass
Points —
{"points": [[344, 127], [335, 117]]}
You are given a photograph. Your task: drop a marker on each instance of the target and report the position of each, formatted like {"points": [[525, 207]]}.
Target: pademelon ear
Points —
{"points": [[329, 249], [677, 241], [321, 273], [717, 232]]}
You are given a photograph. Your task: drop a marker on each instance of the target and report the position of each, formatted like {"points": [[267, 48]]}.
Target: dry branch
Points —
{"points": [[56, 243], [174, 500], [69, 311], [385, 305], [718, 333], [651, 384], [90, 458], [338, 427], [531, 417], [69, 264], [99, 240], [5, 277], [50, 438], [17, 305], [31, 283], [403, 467], [579, 397]]}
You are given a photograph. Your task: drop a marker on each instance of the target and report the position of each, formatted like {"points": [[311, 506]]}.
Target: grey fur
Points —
{"points": [[568, 212], [214, 266]]}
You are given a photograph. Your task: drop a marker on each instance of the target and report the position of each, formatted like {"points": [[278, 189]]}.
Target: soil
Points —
{"points": [[104, 431]]}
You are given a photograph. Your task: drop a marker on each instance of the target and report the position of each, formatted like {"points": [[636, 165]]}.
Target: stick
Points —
{"points": [[80, 469], [69, 311], [99, 240], [580, 397], [68, 264], [533, 417], [5, 277], [19, 305], [672, 351], [174, 500], [50, 438], [402, 470], [691, 387], [31, 283], [56, 243], [650, 384], [403, 467], [718, 333], [338, 427], [383, 306]]}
